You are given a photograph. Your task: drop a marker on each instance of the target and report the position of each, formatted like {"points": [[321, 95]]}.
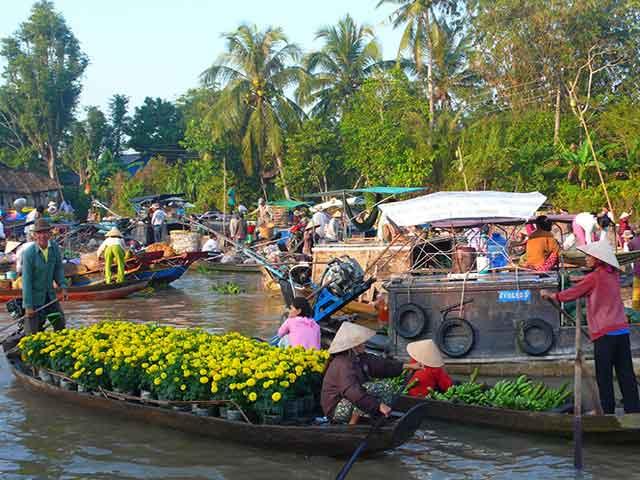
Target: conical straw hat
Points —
{"points": [[426, 352], [114, 232], [602, 251], [350, 335], [11, 246]]}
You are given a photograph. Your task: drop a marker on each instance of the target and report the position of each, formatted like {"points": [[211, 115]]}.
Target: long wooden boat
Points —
{"points": [[599, 428], [113, 291], [231, 267], [159, 271], [330, 440]]}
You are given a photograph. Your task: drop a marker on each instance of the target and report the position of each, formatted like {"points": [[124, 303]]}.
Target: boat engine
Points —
{"points": [[15, 308], [342, 275], [342, 281]]}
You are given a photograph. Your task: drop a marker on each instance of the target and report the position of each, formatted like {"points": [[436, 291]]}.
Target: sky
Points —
{"points": [[159, 48]]}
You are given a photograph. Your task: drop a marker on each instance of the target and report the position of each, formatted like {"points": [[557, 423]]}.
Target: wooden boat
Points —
{"points": [[231, 267], [331, 440], [600, 428], [91, 293], [157, 271]]}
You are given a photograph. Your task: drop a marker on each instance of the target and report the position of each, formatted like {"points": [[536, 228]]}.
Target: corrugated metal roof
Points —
{"points": [[22, 181]]}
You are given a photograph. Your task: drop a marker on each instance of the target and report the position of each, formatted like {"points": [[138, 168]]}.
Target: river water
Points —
{"points": [[41, 439]]}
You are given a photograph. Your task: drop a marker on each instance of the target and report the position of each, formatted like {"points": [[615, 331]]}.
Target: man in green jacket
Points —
{"points": [[41, 265]]}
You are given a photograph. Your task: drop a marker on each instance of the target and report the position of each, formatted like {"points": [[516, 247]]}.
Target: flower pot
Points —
{"points": [[309, 403], [199, 411], [234, 415], [291, 409], [45, 376], [67, 385], [271, 419]]}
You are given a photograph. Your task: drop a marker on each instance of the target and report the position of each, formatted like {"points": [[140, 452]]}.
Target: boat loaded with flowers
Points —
{"points": [[224, 386]]}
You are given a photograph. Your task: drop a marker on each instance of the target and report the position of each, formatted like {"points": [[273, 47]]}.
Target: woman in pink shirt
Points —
{"points": [[608, 325], [301, 328]]}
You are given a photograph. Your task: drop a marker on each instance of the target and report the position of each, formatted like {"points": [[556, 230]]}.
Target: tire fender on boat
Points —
{"points": [[536, 347], [410, 321], [463, 329]]}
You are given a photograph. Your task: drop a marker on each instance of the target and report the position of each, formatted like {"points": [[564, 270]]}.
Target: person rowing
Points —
{"points": [[348, 391], [608, 325]]}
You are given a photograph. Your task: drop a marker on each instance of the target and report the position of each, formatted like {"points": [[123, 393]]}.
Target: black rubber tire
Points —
{"points": [[536, 348], [468, 333], [410, 321]]}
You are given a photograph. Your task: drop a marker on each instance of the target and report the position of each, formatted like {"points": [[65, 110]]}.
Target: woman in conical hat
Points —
{"points": [[114, 250], [608, 325], [347, 390], [432, 375]]}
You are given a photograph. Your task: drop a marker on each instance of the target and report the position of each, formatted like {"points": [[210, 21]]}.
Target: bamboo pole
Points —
{"points": [[577, 393]]}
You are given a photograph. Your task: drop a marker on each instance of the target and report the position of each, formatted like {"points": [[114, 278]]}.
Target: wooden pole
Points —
{"points": [[224, 195], [577, 394]]}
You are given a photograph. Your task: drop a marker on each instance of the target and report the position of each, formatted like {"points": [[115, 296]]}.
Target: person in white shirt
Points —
{"points": [[157, 222], [32, 216], [584, 225], [333, 232], [211, 245], [2, 235], [320, 219], [20, 248]]}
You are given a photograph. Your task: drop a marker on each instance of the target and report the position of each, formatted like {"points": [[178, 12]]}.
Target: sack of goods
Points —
{"points": [[185, 241]]}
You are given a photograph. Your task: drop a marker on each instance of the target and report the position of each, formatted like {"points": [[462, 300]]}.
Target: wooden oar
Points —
{"points": [[577, 394], [595, 394], [22, 318], [358, 451]]}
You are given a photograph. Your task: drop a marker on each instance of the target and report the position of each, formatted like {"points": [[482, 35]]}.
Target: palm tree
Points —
{"points": [[416, 16], [452, 77], [254, 73], [349, 54]]}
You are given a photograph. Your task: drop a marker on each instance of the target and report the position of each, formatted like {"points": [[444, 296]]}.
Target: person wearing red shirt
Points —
{"points": [[608, 325], [432, 375]]}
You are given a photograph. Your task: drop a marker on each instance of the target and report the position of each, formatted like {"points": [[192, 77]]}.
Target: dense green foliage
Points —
{"points": [[483, 94]]}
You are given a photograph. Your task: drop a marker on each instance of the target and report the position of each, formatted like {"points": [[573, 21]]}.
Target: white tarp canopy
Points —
{"points": [[462, 205], [335, 203]]}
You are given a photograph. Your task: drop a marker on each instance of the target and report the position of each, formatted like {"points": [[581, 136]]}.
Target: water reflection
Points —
{"points": [[43, 439]]}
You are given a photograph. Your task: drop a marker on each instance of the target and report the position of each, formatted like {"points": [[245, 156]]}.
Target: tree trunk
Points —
{"points": [[556, 127], [430, 86], [285, 189], [51, 158]]}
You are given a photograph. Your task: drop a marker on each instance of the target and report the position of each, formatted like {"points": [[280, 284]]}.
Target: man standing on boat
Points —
{"points": [[608, 325], [41, 266], [157, 221]]}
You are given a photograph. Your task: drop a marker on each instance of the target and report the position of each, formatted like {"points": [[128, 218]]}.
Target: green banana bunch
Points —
{"points": [[519, 394]]}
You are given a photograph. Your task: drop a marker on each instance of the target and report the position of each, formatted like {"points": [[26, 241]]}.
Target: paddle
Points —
{"points": [[347, 466], [22, 318]]}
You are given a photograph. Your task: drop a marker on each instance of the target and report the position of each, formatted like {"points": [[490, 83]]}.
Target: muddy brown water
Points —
{"points": [[41, 439]]}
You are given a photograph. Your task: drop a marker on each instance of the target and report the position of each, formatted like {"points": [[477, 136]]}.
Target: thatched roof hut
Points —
{"points": [[36, 188]]}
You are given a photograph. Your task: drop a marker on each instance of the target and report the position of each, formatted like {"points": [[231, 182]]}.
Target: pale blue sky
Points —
{"points": [[158, 48]]}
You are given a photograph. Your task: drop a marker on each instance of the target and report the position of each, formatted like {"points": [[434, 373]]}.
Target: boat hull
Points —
{"points": [[596, 428], [329, 440], [88, 293]]}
